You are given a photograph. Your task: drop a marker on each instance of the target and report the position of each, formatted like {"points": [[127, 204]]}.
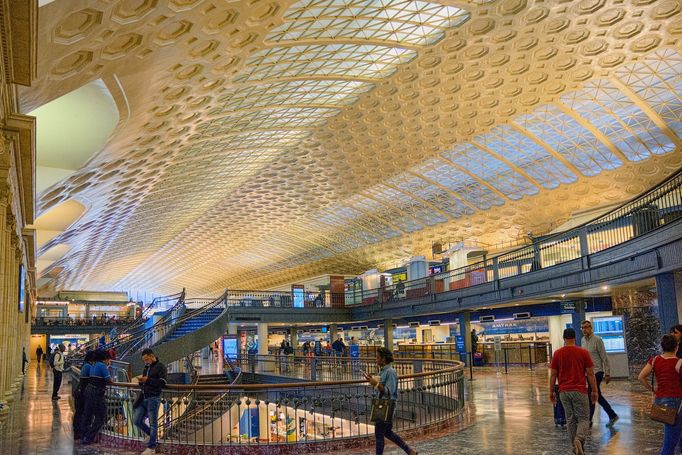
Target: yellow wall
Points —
{"points": [[35, 341]]}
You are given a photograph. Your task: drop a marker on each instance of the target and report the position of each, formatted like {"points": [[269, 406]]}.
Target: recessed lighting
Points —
{"points": [[606, 288], [563, 296]]}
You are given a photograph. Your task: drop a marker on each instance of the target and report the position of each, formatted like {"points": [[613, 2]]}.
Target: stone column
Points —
{"points": [[266, 362], [576, 319], [669, 299], [388, 334], [641, 324], [293, 335], [333, 332], [465, 332]]}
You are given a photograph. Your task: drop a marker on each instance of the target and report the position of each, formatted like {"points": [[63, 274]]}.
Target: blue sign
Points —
{"points": [[354, 351], [567, 307], [459, 343]]}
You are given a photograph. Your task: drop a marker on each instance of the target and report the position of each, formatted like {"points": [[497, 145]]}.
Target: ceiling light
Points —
{"points": [[563, 296], [605, 287]]}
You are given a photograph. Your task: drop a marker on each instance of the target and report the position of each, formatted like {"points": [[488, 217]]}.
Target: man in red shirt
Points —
{"points": [[570, 365]]}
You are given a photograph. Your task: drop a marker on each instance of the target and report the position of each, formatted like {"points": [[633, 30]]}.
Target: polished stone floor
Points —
{"points": [[508, 414]]}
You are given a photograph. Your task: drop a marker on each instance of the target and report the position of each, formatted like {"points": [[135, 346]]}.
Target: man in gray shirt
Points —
{"points": [[602, 368]]}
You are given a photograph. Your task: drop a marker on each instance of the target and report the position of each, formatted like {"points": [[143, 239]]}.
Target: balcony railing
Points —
{"points": [[656, 208], [431, 393], [107, 322]]}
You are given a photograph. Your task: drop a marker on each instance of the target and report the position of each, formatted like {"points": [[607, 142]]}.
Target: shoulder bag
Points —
{"points": [[382, 409], [662, 413]]}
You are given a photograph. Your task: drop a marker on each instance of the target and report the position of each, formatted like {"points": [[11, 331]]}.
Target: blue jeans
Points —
{"points": [[385, 430], [149, 408], [671, 433]]}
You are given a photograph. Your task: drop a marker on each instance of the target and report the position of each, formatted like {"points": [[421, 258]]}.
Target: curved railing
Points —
{"points": [[657, 207], [431, 394]]}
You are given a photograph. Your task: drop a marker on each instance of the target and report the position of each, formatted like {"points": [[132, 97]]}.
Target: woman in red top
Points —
{"points": [[668, 371]]}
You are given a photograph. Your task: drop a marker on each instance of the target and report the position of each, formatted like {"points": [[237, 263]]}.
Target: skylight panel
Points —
{"points": [[526, 154], [407, 204], [401, 21], [565, 135], [460, 183], [657, 79], [431, 193], [332, 60], [620, 119], [383, 212], [490, 169]]}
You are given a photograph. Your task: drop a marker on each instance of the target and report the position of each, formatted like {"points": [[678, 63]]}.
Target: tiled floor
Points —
{"points": [[509, 415]]}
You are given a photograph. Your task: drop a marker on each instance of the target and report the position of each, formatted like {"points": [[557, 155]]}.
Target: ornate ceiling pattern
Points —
{"points": [[268, 141]]}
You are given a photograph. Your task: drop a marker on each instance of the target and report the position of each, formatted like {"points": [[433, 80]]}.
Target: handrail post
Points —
{"points": [[584, 248]]}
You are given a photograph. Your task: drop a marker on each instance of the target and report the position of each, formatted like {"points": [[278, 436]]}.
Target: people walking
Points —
{"points": [[667, 368], [39, 354], [24, 360], [94, 402], [57, 365], [79, 394], [387, 386], [151, 382], [570, 365], [602, 369], [676, 331]]}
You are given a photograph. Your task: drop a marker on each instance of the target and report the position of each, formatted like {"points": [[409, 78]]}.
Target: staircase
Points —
{"points": [[205, 407], [194, 323], [192, 330]]}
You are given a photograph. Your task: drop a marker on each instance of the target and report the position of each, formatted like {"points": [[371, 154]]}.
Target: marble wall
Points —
{"points": [[641, 324]]}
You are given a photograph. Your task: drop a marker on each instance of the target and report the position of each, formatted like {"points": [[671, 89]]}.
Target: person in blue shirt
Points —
{"points": [[95, 407], [387, 386], [78, 391]]}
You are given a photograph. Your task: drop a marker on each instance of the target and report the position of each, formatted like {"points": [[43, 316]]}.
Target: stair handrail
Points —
{"points": [[168, 323], [132, 328]]}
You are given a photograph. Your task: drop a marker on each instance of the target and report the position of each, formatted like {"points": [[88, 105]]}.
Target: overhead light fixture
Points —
{"points": [[605, 287], [563, 296]]}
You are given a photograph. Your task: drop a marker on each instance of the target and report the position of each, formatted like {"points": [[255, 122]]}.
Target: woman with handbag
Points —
{"points": [[667, 369], [387, 386]]}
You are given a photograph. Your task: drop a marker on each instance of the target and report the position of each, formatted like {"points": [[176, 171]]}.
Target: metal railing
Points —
{"points": [[44, 321], [128, 334], [655, 208], [431, 393]]}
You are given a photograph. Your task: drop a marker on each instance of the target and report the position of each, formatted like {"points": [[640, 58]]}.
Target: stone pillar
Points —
{"points": [[576, 319], [231, 328], [293, 335], [669, 299], [641, 324], [465, 331], [266, 362], [388, 334], [333, 332]]}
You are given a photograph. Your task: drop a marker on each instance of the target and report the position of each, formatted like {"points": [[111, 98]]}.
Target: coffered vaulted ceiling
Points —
{"points": [[261, 142]]}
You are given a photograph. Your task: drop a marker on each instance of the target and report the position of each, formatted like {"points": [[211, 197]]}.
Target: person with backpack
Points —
{"points": [[95, 406], [667, 369], [78, 394], [57, 365]]}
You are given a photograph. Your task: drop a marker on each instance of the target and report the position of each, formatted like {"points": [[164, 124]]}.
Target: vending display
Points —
{"points": [[610, 329]]}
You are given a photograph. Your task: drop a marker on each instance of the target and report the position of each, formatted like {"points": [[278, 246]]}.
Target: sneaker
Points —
{"points": [[612, 421], [578, 447], [146, 440], [149, 451]]}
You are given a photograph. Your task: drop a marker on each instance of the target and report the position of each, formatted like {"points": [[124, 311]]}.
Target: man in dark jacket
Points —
{"points": [[153, 379]]}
